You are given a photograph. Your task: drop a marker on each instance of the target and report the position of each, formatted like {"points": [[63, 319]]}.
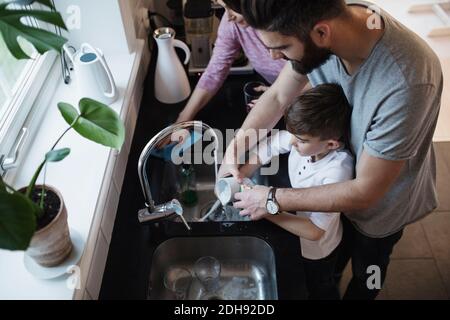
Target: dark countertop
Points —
{"points": [[128, 265]]}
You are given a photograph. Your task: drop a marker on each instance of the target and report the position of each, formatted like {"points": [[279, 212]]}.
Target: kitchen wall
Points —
{"points": [[111, 25]]}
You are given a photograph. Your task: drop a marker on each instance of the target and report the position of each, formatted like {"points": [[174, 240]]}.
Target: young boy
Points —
{"points": [[317, 125]]}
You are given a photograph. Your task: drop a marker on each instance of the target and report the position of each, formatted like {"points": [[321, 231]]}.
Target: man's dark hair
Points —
{"points": [[234, 5], [290, 17], [322, 111]]}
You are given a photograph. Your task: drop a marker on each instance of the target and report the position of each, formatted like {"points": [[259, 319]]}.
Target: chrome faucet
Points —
{"points": [[153, 211]]}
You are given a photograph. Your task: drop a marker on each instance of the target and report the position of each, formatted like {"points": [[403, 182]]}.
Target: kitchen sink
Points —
{"points": [[248, 270], [204, 189]]}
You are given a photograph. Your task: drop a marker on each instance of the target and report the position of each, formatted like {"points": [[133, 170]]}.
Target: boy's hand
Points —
{"points": [[230, 166], [253, 202]]}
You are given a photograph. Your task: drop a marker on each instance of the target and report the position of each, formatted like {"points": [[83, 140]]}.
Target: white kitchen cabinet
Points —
{"points": [[121, 158], [109, 214], [98, 263], [86, 295]]}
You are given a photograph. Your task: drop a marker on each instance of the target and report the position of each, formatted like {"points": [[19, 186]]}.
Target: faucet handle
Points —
{"points": [[161, 212], [145, 215]]}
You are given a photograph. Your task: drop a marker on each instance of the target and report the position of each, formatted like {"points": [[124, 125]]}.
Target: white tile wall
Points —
{"points": [[99, 21]]}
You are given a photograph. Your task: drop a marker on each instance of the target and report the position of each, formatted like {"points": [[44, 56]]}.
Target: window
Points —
{"points": [[12, 74], [21, 82]]}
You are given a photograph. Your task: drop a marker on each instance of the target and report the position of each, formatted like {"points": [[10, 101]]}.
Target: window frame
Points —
{"points": [[23, 104]]}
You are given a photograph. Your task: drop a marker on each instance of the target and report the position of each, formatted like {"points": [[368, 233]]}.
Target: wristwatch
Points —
{"points": [[272, 205]]}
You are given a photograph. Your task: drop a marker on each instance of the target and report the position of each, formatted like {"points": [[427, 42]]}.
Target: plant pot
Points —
{"points": [[51, 245]]}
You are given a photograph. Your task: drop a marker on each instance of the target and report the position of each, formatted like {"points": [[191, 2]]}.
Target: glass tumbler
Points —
{"points": [[251, 94], [207, 270], [178, 281]]}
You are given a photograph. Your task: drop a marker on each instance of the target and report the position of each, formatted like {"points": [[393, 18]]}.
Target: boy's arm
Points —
{"points": [[253, 164], [265, 151], [300, 226]]}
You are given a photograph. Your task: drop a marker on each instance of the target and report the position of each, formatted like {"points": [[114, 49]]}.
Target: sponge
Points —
{"points": [[166, 152]]}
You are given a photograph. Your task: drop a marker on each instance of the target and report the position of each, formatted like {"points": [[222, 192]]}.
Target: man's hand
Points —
{"points": [[253, 202]]}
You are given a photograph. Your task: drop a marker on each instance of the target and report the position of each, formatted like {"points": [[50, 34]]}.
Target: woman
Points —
{"points": [[233, 34]]}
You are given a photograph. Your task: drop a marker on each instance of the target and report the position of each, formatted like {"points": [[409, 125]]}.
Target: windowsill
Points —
{"points": [[79, 178]]}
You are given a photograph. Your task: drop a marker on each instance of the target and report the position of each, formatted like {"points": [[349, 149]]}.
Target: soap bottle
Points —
{"points": [[188, 185]]}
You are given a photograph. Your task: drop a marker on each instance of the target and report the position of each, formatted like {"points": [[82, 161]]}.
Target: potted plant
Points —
{"points": [[35, 218]]}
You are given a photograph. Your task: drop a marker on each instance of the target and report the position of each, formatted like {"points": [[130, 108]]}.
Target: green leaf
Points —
{"points": [[47, 3], [69, 113], [11, 28], [57, 155], [17, 221], [96, 122]]}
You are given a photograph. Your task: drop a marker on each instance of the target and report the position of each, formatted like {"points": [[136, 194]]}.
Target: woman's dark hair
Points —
{"points": [[234, 5], [322, 111], [290, 17]]}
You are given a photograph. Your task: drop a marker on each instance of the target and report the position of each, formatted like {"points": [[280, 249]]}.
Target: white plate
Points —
{"points": [[45, 273]]}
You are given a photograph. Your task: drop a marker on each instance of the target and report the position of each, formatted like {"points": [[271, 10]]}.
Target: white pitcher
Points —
{"points": [[171, 82], [94, 79]]}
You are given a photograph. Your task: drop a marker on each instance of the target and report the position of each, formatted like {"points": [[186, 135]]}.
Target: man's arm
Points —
{"points": [[265, 114], [374, 178], [271, 105]]}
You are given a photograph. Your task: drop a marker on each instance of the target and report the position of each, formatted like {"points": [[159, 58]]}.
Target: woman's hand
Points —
{"points": [[178, 136]]}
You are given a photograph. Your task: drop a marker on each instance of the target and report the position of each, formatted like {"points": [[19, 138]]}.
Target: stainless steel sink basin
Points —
{"points": [[248, 269]]}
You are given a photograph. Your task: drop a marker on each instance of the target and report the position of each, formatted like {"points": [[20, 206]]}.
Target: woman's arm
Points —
{"points": [[226, 48], [199, 98]]}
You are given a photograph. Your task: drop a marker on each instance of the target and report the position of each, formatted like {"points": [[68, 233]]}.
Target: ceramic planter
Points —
{"points": [[51, 245]]}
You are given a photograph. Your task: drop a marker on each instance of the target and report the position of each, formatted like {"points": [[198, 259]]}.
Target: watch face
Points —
{"points": [[272, 207]]}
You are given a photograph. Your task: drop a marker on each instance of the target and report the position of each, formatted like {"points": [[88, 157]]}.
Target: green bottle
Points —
{"points": [[188, 185]]}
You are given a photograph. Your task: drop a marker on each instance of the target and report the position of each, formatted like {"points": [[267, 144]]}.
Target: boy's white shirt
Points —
{"points": [[337, 166]]}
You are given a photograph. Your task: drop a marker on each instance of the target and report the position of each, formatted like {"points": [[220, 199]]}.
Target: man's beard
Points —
{"points": [[313, 58]]}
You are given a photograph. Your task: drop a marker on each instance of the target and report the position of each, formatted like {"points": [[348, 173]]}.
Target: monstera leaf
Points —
{"points": [[11, 28], [57, 155], [17, 219], [96, 122]]}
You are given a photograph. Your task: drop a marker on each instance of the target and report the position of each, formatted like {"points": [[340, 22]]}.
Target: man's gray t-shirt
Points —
{"points": [[395, 97]]}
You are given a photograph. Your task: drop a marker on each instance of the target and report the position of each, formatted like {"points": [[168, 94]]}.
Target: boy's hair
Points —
{"points": [[290, 17], [234, 5], [322, 111]]}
